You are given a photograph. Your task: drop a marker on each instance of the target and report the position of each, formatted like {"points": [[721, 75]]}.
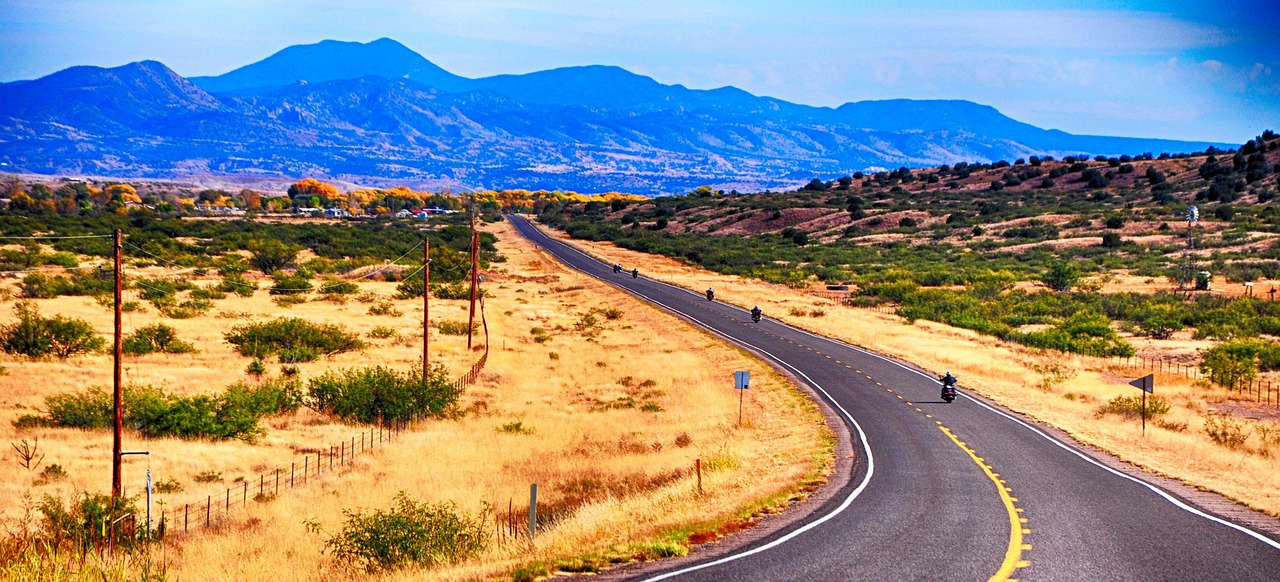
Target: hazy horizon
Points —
{"points": [[1173, 70]]}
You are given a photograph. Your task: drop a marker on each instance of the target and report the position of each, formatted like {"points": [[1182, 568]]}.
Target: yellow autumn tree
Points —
{"points": [[308, 187], [122, 193]]}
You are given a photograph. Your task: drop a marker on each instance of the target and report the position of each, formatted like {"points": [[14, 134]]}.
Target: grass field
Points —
{"points": [[602, 413], [1060, 390]]}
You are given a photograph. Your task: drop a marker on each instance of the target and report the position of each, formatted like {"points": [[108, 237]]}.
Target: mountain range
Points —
{"points": [[380, 114]]}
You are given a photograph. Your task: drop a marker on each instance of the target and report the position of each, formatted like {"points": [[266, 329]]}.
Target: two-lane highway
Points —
{"points": [[959, 491]]}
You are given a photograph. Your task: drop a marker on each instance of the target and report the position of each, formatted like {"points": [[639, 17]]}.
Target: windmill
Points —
{"points": [[1192, 217]]}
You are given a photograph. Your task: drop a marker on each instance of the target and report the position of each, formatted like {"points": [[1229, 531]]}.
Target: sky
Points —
{"points": [[1196, 70]]}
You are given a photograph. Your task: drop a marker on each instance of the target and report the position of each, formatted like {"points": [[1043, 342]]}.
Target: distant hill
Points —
{"points": [[380, 114]]}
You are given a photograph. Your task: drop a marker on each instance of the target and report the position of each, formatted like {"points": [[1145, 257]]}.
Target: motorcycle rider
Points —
{"points": [[948, 380], [711, 295], [755, 313], [635, 273], [617, 268]]}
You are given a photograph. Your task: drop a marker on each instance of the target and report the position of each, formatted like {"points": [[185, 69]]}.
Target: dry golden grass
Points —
{"points": [[1060, 390], [554, 390]]}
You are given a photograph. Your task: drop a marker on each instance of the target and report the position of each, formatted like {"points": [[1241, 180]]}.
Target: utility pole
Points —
{"points": [[426, 305], [119, 390], [475, 281]]}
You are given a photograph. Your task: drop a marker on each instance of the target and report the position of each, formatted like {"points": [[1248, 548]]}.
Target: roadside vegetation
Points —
{"points": [[606, 418]]}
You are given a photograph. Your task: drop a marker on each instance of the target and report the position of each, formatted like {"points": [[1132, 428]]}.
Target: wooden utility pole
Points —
{"points": [[475, 281], [119, 390], [426, 305]]}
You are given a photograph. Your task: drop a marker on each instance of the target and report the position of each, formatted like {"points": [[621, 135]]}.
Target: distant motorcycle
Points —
{"points": [[711, 295], [756, 316], [617, 268], [948, 392], [635, 273]]}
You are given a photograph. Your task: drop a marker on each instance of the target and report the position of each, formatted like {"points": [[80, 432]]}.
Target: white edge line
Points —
{"points": [[866, 446], [1158, 491]]}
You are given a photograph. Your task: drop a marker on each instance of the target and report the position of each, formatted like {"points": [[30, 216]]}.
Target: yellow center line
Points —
{"points": [[1012, 556]]}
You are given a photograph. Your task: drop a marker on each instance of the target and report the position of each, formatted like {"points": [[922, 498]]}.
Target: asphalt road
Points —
{"points": [[960, 491]]}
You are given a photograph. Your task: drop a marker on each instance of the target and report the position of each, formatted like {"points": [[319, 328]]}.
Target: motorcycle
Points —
{"points": [[755, 317], [617, 269], [948, 392], [711, 295], [635, 273]]}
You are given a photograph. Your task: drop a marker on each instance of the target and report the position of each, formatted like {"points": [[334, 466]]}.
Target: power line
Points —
{"points": [[55, 237]]}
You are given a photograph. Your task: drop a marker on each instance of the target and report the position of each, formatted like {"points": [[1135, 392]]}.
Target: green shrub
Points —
{"points": [[52, 473], [208, 293], [540, 335], [157, 338], [256, 368], [449, 327], [288, 300], [383, 332], [409, 534], [298, 355], [149, 410], [290, 284], [236, 283], [35, 336], [1131, 407], [269, 256], [84, 282], [457, 290], [1230, 363], [262, 340], [80, 525], [336, 287], [382, 395], [187, 309], [385, 308]]}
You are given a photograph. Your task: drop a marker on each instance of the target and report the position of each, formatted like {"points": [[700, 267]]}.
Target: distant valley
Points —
{"points": [[379, 114]]}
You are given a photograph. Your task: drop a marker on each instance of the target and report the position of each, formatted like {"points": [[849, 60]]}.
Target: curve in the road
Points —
{"points": [[927, 513]]}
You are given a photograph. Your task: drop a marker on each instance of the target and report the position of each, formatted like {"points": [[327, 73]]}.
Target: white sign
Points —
{"points": [[741, 380]]}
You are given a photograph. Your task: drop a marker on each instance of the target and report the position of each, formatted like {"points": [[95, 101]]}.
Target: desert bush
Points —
{"points": [[1232, 362], [290, 284], [186, 309], [52, 473], [169, 485], [1226, 430], [457, 290], [336, 287], [262, 340], [385, 308], [287, 301], [409, 533], [382, 332], [450, 327], [154, 413], [35, 336], [80, 525], [208, 293], [1131, 407], [270, 256], [236, 283], [382, 395], [157, 338], [84, 282], [256, 368]]}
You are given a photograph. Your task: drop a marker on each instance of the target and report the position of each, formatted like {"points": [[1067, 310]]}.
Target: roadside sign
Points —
{"points": [[741, 380], [1145, 383]]}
